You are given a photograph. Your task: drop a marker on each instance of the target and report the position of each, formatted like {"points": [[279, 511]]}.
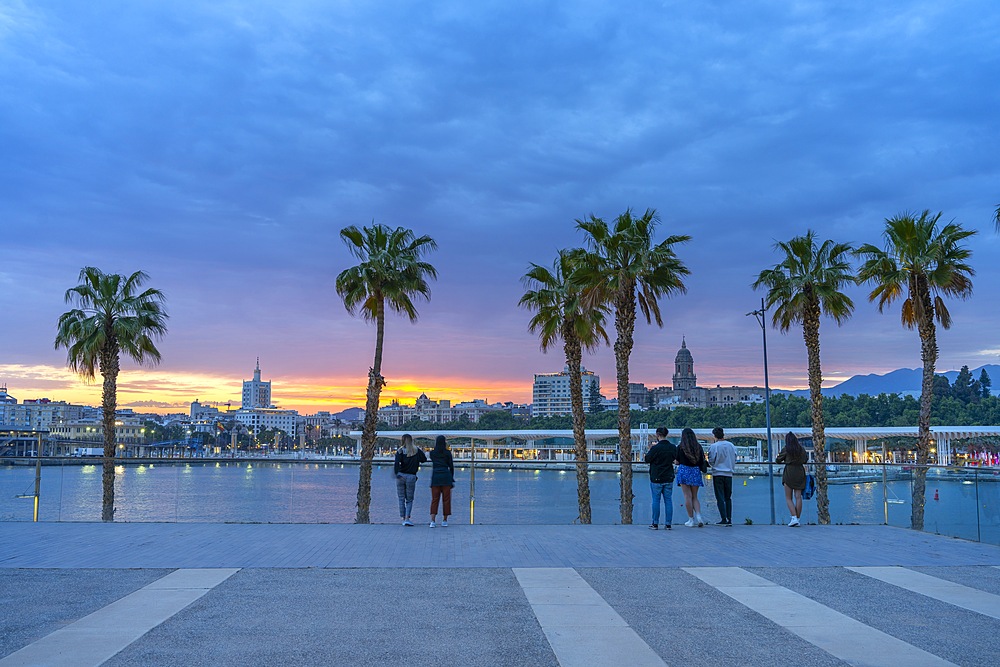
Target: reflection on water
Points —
{"points": [[280, 492]]}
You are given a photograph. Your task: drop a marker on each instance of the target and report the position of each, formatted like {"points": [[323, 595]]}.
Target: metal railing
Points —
{"points": [[960, 501]]}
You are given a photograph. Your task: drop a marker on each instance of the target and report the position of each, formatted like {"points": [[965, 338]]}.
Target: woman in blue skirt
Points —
{"points": [[691, 462]]}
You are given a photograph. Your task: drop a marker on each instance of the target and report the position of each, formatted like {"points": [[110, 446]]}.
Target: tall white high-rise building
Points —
{"points": [[256, 394], [550, 392]]}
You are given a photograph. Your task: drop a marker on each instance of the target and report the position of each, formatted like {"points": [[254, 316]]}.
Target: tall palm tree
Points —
{"points": [[921, 262], [112, 316], [390, 273], [560, 314], [624, 268], [805, 284], [996, 218]]}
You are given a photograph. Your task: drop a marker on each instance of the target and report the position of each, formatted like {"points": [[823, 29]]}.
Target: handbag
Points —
{"points": [[810, 489]]}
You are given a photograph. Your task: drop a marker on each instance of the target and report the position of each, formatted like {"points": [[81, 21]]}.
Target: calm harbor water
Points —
{"points": [[325, 492]]}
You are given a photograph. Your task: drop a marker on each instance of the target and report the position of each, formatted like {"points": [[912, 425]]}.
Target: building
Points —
{"points": [[437, 412], [256, 394], [258, 419], [37, 414], [550, 393], [686, 393]]}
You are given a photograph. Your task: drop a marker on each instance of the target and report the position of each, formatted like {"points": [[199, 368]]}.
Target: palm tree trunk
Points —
{"points": [[574, 361], [928, 355], [625, 326], [810, 332], [109, 405], [375, 384]]}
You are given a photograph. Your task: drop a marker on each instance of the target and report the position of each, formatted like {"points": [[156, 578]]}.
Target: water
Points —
{"points": [[288, 492]]}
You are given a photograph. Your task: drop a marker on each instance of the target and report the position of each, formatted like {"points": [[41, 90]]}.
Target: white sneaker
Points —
{"points": [[444, 524], [689, 523], [407, 523], [404, 522], [793, 522], [432, 525], [699, 520]]}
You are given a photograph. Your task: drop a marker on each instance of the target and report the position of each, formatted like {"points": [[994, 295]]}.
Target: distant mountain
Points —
{"points": [[905, 381], [351, 414]]}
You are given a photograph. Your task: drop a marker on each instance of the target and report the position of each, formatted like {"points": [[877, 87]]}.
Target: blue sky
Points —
{"points": [[221, 147]]}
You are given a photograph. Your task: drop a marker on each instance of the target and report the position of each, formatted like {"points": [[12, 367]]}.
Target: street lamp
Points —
{"points": [[761, 317]]}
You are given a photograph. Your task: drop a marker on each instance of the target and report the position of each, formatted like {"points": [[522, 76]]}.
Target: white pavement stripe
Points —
{"points": [[96, 637], [837, 634], [958, 595], [581, 627]]}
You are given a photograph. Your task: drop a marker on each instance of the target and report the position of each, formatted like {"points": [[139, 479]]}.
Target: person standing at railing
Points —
{"points": [[722, 458], [660, 458], [405, 467], [442, 480], [691, 463], [793, 478]]}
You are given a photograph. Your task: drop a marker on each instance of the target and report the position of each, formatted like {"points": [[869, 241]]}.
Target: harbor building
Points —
{"points": [[438, 412], [550, 393]]}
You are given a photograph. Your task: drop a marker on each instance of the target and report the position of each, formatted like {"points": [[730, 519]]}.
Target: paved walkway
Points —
{"points": [[233, 594]]}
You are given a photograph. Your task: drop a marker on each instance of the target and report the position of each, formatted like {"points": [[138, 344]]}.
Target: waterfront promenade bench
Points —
{"points": [[276, 594]]}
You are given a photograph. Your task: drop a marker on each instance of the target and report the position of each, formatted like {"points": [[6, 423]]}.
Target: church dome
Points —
{"points": [[684, 354]]}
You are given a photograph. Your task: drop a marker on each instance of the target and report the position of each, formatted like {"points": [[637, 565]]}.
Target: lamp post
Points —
{"points": [[761, 317]]}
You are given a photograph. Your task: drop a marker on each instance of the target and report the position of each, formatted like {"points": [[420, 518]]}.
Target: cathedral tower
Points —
{"points": [[684, 377]]}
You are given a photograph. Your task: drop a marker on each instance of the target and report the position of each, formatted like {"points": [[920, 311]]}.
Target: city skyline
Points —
{"points": [[221, 149]]}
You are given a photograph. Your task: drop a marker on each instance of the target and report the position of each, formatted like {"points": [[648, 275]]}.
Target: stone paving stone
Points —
{"points": [[310, 545], [961, 636], [351, 617], [38, 602], [690, 623]]}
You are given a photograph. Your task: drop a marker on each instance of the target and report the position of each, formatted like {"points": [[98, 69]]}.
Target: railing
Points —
{"points": [[960, 502]]}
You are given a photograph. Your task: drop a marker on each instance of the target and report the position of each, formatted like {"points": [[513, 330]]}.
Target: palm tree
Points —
{"points": [[561, 315], [390, 273], [921, 263], [806, 283], [111, 317], [624, 268], [996, 218]]}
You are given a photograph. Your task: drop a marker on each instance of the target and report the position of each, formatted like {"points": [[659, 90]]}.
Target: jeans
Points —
{"points": [[723, 486], [666, 490], [405, 486]]}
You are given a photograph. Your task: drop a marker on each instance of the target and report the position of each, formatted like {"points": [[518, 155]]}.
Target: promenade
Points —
{"points": [[122, 594]]}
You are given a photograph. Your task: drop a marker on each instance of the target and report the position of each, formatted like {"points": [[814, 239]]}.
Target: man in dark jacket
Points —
{"points": [[660, 458]]}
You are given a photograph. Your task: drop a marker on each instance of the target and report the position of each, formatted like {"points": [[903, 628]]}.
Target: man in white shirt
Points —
{"points": [[722, 458]]}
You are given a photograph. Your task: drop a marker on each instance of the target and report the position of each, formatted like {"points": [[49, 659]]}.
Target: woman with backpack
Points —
{"points": [[793, 479]]}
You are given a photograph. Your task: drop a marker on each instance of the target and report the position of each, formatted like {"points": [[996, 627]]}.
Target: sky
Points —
{"points": [[222, 146]]}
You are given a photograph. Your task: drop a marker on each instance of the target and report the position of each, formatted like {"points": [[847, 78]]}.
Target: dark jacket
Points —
{"points": [[408, 464], [794, 475], [443, 472], [701, 462], [660, 458]]}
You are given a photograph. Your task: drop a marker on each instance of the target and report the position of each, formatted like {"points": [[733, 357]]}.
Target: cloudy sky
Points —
{"points": [[221, 146]]}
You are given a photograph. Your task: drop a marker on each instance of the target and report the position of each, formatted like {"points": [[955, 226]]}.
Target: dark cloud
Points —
{"points": [[221, 147]]}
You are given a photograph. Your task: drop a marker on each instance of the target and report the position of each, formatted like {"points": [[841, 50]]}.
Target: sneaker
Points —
{"points": [[729, 524], [689, 523], [667, 527], [407, 523], [721, 523], [432, 525], [653, 526], [444, 524], [404, 522], [793, 522], [699, 520]]}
